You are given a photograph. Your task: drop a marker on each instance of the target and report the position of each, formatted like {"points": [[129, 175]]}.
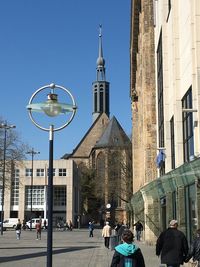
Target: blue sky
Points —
{"points": [[57, 41]]}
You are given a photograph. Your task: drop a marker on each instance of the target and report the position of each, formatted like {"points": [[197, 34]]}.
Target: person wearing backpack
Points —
{"points": [[127, 254]]}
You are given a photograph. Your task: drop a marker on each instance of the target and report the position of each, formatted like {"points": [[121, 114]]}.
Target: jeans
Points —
{"points": [[91, 233], [107, 242], [138, 235]]}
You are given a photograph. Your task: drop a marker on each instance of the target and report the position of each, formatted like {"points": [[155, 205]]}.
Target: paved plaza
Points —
{"points": [[71, 249]]}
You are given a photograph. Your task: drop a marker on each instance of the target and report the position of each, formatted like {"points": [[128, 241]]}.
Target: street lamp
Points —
{"points": [[33, 153], [51, 108], [6, 127]]}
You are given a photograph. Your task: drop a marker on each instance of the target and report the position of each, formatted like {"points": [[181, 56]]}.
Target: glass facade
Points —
{"points": [[38, 196], [59, 196], [15, 188]]}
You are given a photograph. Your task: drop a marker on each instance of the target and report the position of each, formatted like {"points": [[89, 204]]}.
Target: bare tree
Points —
{"points": [[13, 149]]}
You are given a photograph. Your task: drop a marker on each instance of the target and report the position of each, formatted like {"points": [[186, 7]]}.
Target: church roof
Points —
{"points": [[113, 136]]}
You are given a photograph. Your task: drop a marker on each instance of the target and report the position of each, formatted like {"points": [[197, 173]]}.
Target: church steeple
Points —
{"points": [[101, 75], [100, 86]]}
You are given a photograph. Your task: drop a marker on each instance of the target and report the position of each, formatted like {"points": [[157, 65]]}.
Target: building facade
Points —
{"points": [[26, 191], [175, 39]]}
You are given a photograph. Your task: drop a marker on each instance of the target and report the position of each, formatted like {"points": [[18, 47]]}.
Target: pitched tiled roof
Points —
{"points": [[113, 136]]}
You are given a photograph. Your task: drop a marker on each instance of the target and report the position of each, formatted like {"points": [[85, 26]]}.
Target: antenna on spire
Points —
{"points": [[100, 30]]}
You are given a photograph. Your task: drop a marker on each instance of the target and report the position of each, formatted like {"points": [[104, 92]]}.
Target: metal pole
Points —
{"points": [[50, 200], [32, 153], [3, 183]]}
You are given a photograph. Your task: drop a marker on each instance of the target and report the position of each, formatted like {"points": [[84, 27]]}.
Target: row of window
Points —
{"points": [[37, 195], [45, 172], [187, 117]]}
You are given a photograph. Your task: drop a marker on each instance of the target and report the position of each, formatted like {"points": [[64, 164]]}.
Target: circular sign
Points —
{"points": [[108, 206]]}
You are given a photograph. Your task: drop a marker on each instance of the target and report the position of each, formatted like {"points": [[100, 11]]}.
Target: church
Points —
{"points": [[105, 152]]}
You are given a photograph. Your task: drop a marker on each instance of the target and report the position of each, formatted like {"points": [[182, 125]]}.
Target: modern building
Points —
{"points": [[165, 55], [26, 191]]}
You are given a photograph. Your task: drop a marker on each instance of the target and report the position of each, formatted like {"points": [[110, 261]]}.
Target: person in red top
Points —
{"points": [[38, 228]]}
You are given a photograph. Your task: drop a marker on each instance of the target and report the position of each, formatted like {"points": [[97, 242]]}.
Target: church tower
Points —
{"points": [[100, 86]]}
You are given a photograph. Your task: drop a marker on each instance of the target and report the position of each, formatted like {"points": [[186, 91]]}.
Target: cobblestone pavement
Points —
{"points": [[70, 249]]}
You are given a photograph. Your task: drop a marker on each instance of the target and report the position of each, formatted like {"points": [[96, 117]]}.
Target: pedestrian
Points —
{"points": [[120, 231], [18, 229], [24, 225], [91, 229], [106, 233], [172, 245], [45, 224], [38, 228], [127, 254], [194, 251], [70, 225], [138, 228]]}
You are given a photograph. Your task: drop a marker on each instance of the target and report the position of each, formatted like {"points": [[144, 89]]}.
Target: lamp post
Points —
{"points": [[51, 108], [33, 153], [6, 127]]}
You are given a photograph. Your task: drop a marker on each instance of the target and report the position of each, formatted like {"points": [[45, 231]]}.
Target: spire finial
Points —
{"points": [[100, 30], [100, 59]]}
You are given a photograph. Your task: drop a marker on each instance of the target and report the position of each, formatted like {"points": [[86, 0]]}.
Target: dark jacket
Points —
{"points": [[127, 253], [194, 250], [138, 226], [18, 226], [173, 246]]}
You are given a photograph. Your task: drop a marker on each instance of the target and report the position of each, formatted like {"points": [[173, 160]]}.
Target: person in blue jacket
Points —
{"points": [[127, 254]]}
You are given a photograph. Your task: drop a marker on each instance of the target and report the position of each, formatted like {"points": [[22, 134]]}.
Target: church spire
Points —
{"points": [[101, 75], [101, 86]]}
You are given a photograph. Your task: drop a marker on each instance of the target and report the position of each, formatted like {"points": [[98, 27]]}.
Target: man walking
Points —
{"points": [[106, 233], [91, 229], [138, 228], [38, 228], [172, 245]]}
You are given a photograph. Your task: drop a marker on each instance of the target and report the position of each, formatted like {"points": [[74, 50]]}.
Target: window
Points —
{"points": [[28, 172], [40, 172], [191, 211], [62, 172], [38, 196], [101, 167], [59, 196], [160, 99], [172, 143], [101, 99], [95, 100], [15, 188], [188, 137]]}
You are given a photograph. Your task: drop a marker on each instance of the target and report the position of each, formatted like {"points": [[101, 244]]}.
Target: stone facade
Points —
{"points": [[143, 84]]}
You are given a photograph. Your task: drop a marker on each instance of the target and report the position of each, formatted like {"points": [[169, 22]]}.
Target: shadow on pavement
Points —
{"points": [[40, 254]]}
